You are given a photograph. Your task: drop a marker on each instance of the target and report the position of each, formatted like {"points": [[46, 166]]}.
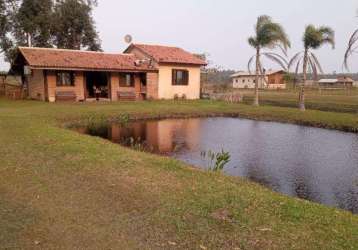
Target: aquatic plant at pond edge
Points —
{"points": [[217, 161], [137, 145], [124, 119]]}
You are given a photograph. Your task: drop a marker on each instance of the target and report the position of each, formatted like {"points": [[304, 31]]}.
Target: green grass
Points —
{"points": [[61, 189], [345, 101]]}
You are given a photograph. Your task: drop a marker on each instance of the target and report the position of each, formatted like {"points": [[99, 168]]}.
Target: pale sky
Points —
{"points": [[221, 27]]}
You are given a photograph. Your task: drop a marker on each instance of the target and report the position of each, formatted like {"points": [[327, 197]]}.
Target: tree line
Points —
{"points": [[67, 24]]}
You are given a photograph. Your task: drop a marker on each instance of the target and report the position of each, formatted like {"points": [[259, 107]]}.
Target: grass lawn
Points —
{"points": [[345, 101], [63, 190]]}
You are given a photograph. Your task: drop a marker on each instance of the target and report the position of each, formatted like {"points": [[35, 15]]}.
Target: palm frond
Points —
{"points": [[328, 35], [314, 38], [313, 68], [298, 66], [278, 59], [272, 35], [262, 73], [316, 62], [253, 42], [249, 64], [283, 50], [261, 21], [284, 59], [294, 59], [350, 50]]}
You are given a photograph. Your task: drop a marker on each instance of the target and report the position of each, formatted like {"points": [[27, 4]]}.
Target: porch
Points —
{"points": [[95, 86]]}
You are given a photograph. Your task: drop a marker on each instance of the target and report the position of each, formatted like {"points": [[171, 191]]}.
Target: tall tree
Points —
{"points": [[74, 26], [47, 23], [268, 35], [33, 23], [313, 38], [7, 10]]}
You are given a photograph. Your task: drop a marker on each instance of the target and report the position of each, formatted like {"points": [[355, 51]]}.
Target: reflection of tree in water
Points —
{"points": [[302, 191], [301, 173], [100, 131], [179, 143], [254, 173], [348, 200], [254, 163]]}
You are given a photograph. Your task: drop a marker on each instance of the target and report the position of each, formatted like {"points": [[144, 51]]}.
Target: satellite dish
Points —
{"points": [[128, 39]]}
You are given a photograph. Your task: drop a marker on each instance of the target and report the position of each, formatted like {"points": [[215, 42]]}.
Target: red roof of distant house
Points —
{"points": [[166, 54], [76, 59], [345, 79]]}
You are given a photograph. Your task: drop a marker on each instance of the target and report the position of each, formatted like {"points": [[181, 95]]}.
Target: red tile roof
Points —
{"points": [[166, 54], [345, 79], [75, 59]]}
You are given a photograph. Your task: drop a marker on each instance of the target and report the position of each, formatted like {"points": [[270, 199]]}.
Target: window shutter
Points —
{"points": [[186, 77], [174, 77], [58, 76], [73, 79], [132, 80]]}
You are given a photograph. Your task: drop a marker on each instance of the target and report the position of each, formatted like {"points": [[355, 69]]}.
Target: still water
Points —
{"points": [[310, 163]]}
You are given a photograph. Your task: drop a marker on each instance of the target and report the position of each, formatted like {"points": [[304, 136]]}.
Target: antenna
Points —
{"points": [[128, 39]]}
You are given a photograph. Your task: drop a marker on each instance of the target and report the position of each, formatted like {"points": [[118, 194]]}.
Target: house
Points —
{"points": [[179, 71], [272, 80], [340, 82], [245, 80], [141, 72]]}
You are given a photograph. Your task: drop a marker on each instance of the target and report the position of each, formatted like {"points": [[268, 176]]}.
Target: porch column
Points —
{"points": [[114, 85], [152, 85], [79, 85], [137, 87], [51, 85]]}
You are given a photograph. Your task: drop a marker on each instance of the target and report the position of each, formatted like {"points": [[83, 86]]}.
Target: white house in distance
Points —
{"points": [[340, 82], [274, 79]]}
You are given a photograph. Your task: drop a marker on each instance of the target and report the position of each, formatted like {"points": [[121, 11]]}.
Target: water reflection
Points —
{"points": [[315, 164]]}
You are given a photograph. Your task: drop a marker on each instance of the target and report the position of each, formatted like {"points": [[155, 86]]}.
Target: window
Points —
{"points": [[243, 81], [126, 80], [180, 77], [65, 78]]}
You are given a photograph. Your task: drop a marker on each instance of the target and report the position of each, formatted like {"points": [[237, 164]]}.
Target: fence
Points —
{"points": [[227, 97], [13, 92]]}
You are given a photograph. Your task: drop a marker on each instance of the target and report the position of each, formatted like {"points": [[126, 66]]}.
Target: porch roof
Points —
{"points": [[47, 58]]}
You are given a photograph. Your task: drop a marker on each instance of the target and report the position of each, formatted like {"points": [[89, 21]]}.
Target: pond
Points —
{"points": [[310, 163]]}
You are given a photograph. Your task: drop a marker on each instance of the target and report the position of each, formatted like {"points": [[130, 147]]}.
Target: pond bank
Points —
{"points": [[315, 164], [317, 119], [60, 188]]}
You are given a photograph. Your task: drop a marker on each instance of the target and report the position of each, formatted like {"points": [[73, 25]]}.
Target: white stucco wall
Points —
{"points": [[242, 82], [167, 91]]}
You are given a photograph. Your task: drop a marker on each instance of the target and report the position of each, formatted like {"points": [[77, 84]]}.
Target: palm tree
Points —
{"points": [[269, 35], [352, 47], [313, 38]]}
